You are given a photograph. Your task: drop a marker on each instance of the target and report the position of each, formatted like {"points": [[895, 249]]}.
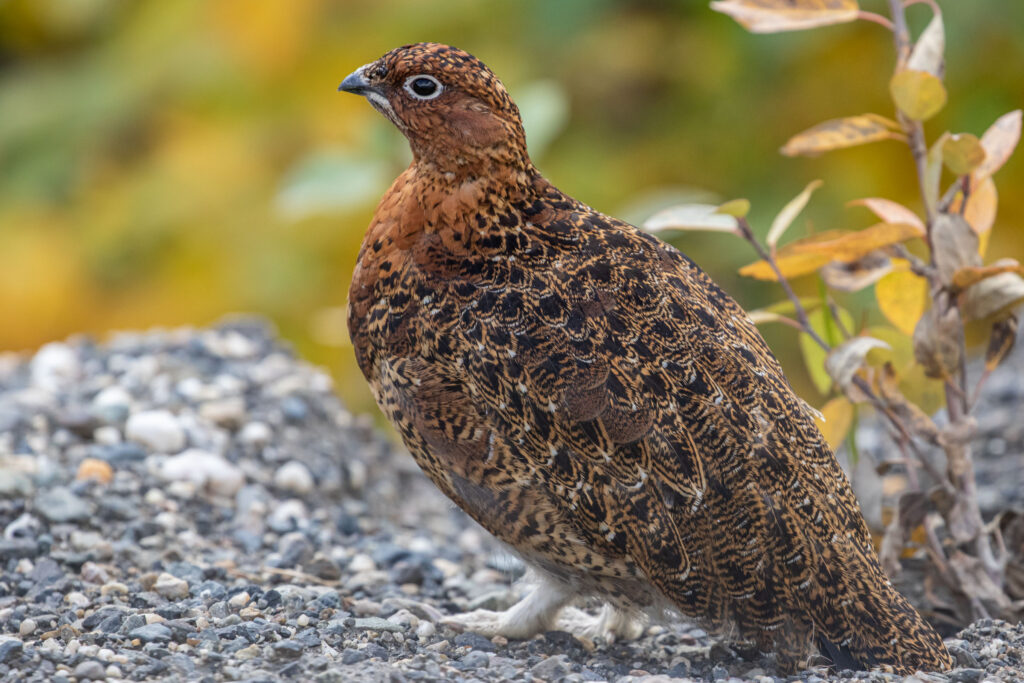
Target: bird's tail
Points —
{"points": [[862, 621]]}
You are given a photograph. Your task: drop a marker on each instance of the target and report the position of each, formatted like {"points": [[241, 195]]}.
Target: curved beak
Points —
{"points": [[356, 83]]}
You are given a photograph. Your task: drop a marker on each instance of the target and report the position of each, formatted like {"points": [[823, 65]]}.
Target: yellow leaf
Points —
{"points": [[902, 297], [999, 142], [790, 212], [836, 420], [814, 356], [918, 94], [841, 133], [773, 16], [791, 262], [738, 208], [851, 246], [963, 153], [981, 206], [890, 212]]}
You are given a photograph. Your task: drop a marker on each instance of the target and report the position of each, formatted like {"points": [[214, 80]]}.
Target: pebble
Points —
{"points": [[61, 505], [151, 633], [171, 587], [28, 627], [96, 470], [294, 477], [239, 600], [158, 430], [208, 471], [255, 434], [54, 367], [90, 670], [10, 649]]}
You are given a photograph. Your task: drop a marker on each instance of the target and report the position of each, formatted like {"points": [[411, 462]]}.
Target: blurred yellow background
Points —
{"points": [[165, 163]]}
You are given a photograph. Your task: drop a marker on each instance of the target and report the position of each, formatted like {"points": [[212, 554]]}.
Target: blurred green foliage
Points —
{"points": [[164, 163]]}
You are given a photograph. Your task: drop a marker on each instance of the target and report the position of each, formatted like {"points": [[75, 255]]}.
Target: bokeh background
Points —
{"points": [[166, 163]]}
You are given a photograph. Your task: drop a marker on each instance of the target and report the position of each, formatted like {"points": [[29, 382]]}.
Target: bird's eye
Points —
{"points": [[423, 87]]}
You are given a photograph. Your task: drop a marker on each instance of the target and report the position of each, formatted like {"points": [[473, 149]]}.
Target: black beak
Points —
{"points": [[356, 83]]}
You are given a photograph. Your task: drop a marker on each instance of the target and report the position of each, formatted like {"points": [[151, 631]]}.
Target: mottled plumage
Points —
{"points": [[587, 394]]}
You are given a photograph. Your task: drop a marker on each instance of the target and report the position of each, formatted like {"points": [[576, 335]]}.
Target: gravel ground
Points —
{"points": [[196, 505]]}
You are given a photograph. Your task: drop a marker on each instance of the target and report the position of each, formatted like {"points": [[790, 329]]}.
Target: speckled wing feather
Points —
{"points": [[592, 398]]}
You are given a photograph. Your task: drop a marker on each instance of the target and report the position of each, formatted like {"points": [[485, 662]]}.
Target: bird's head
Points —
{"points": [[454, 111]]}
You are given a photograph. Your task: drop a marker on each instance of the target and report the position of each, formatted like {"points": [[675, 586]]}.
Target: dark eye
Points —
{"points": [[423, 87]]}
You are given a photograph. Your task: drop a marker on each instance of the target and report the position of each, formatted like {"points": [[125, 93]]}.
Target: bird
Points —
{"points": [[587, 394]]}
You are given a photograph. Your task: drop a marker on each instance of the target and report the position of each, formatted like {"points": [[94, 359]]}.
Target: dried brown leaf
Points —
{"points": [[1001, 341], [954, 244], [845, 360], [937, 343], [856, 275], [994, 295]]}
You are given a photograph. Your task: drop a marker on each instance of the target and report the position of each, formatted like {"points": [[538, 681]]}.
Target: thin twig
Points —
{"points": [[875, 18]]}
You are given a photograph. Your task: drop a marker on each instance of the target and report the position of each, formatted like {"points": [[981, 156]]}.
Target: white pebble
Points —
{"points": [[302, 620], [362, 563], [425, 629], [239, 599], [157, 429], [114, 396], [28, 627], [256, 434], [226, 412], [210, 471], [295, 477], [171, 587], [107, 435], [54, 367]]}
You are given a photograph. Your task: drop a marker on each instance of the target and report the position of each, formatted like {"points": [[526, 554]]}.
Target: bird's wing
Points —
{"points": [[612, 369]]}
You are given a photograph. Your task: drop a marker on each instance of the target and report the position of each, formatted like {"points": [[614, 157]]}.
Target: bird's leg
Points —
{"points": [[534, 614], [611, 624]]}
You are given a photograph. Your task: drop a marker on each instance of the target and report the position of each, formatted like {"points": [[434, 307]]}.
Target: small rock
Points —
{"points": [[171, 587], [376, 624], [10, 649], [256, 434], [293, 476], [553, 668], [157, 429], [288, 649], [112, 404], [239, 600], [90, 670], [248, 652], [61, 505], [28, 627], [96, 470], [54, 367], [207, 470], [966, 675], [226, 412], [151, 633], [476, 659]]}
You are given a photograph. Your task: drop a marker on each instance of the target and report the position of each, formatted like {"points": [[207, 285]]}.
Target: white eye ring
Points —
{"points": [[411, 88]]}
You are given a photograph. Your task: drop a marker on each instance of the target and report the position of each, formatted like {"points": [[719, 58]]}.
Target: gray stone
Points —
{"points": [[151, 633], [60, 505], [553, 668], [10, 649], [376, 624], [90, 670]]}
